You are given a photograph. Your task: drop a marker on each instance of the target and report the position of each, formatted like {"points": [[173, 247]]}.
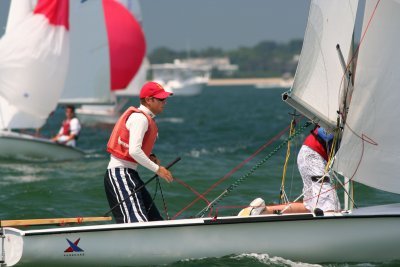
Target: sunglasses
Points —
{"points": [[163, 100]]}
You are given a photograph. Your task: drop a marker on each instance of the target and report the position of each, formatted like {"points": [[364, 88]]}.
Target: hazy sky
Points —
{"points": [[182, 24], [194, 24]]}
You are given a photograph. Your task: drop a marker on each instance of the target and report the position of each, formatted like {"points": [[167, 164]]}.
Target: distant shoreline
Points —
{"points": [[258, 82]]}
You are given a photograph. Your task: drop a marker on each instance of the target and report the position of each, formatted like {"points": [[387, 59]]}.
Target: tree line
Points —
{"points": [[265, 59]]}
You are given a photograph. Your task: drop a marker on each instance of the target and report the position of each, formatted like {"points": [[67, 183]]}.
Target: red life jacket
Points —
{"points": [[313, 143], [66, 127], [118, 144]]}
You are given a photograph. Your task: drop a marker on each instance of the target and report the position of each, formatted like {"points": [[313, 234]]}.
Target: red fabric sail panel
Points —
{"points": [[57, 11], [126, 43]]}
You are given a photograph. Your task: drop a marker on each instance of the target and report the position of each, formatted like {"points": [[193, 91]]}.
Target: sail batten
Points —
{"points": [[319, 74]]}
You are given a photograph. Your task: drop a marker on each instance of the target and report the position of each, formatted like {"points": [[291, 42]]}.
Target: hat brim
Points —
{"points": [[162, 95]]}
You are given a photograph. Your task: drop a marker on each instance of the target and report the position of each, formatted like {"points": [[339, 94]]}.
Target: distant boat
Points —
{"points": [[181, 78], [107, 51], [33, 64]]}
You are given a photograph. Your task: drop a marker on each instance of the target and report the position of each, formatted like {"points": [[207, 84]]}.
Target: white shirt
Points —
{"points": [[137, 124], [74, 127]]}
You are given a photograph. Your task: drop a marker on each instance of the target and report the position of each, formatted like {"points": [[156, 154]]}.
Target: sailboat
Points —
{"points": [[105, 61], [33, 63], [367, 155]]}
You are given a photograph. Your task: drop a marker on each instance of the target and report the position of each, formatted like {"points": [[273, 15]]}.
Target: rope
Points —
{"points": [[282, 194], [201, 196], [258, 165], [163, 200]]}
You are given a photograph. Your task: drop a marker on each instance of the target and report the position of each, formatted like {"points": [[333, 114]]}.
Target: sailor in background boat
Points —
{"points": [[131, 144], [70, 128]]}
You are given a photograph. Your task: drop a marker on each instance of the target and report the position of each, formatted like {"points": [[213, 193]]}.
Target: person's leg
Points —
{"points": [[318, 193], [113, 198], [124, 182], [294, 207], [152, 212]]}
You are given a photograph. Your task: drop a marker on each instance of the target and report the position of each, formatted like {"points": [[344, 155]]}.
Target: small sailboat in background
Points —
{"points": [[34, 55], [107, 50], [367, 155]]}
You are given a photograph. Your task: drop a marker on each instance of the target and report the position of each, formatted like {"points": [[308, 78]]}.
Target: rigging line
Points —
{"points": [[355, 54], [163, 200], [282, 193], [302, 194], [154, 195], [234, 170], [194, 191], [342, 185], [241, 179]]}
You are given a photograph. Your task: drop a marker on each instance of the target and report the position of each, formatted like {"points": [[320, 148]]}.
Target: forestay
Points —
{"points": [[317, 84], [369, 151]]}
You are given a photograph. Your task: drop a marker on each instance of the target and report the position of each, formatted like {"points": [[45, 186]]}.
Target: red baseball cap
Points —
{"points": [[153, 89]]}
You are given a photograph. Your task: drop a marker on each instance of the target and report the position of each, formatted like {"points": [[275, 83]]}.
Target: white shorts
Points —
{"points": [[63, 138], [316, 194]]}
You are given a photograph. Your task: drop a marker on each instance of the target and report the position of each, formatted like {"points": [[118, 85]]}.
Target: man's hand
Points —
{"points": [[165, 174]]}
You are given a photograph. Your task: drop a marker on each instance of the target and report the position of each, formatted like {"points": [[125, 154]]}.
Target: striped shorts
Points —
{"points": [[119, 184]]}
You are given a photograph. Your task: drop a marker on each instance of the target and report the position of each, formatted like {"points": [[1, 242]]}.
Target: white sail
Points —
{"points": [[317, 83], [33, 65], [88, 79], [18, 12], [369, 152]]}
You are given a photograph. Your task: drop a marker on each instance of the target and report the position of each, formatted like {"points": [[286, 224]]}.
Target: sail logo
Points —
{"points": [[74, 249]]}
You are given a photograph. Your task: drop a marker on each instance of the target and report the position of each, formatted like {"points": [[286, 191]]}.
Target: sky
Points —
{"points": [[226, 24]]}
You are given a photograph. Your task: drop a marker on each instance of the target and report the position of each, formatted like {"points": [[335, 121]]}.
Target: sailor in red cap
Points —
{"points": [[131, 144]]}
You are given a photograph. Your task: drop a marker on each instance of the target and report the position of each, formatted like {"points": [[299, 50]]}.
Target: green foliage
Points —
{"points": [[265, 59]]}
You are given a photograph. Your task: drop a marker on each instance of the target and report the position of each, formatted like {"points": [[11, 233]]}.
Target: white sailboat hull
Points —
{"points": [[27, 147], [362, 237]]}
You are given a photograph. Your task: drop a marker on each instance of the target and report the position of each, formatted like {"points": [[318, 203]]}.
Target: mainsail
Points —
{"points": [[369, 153], [317, 84], [33, 65]]}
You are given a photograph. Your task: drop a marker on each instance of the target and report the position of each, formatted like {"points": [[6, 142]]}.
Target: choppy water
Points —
{"points": [[213, 133]]}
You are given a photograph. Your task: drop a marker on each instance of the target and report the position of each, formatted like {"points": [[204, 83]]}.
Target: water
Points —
{"points": [[212, 133]]}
